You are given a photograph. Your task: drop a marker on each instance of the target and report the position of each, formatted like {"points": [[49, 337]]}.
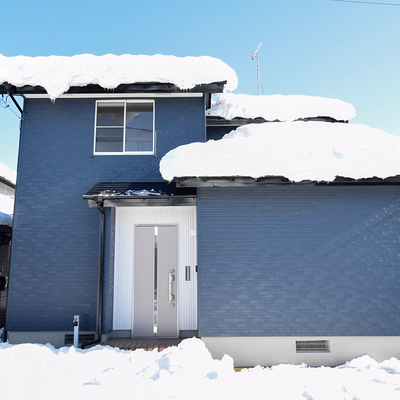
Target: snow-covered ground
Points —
{"points": [[31, 371], [57, 73]]}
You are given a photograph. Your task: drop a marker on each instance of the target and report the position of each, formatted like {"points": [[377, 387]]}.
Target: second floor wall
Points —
{"points": [[59, 139]]}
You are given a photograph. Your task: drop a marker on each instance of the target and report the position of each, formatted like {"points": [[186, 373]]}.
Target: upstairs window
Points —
{"points": [[124, 127]]}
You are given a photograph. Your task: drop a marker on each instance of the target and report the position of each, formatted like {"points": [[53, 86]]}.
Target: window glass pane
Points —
{"points": [[109, 139], [139, 127], [110, 114]]}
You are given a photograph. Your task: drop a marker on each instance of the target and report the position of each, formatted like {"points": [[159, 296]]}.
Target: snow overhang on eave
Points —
{"points": [[111, 194], [7, 182], [243, 181], [123, 89], [212, 120]]}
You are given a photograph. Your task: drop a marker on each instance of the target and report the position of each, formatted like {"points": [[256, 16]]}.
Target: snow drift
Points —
{"points": [[31, 371], [57, 73]]}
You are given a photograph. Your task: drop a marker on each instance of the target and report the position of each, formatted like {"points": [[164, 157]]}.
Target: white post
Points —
{"points": [[76, 331]]}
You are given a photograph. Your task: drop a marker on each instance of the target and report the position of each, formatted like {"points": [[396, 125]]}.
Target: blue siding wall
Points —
{"points": [[286, 261], [54, 272]]}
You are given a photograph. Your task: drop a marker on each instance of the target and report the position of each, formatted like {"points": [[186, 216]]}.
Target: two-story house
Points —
{"points": [[267, 266]]}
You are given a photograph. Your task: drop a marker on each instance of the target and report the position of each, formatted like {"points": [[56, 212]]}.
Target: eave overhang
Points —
{"points": [[243, 181], [92, 89], [112, 194], [213, 120], [7, 182]]}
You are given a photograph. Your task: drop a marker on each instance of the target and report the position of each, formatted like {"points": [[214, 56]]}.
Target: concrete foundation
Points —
{"points": [[267, 351]]}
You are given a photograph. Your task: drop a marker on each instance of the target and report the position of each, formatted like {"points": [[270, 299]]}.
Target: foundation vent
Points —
{"points": [[312, 346], [84, 338]]}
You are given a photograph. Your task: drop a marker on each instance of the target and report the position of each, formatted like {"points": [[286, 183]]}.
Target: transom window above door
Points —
{"points": [[124, 127]]}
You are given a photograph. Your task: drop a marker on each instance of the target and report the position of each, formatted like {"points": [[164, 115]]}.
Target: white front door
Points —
{"points": [[126, 286]]}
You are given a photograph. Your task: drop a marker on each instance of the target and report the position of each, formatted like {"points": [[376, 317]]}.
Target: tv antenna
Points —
{"points": [[253, 56]]}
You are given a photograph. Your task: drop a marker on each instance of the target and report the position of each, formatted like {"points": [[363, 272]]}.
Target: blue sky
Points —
{"points": [[337, 49]]}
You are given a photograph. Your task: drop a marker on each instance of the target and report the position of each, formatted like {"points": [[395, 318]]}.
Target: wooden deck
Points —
{"points": [[142, 343]]}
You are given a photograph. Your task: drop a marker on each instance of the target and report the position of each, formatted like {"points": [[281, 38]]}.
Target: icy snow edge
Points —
{"points": [[280, 107], [5, 219], [58, 73], [317, 151]]}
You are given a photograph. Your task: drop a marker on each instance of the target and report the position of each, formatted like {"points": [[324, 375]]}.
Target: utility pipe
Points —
{"points": [[101, 279], [76, 331]]}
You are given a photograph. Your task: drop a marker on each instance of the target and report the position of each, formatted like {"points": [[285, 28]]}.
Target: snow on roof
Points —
{"points": [[5, 219], [280, 107], [6, 203], [8, 173], [317, 151], [57, 74]]}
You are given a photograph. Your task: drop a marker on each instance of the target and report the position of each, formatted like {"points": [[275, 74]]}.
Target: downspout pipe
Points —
{"points": [[101, 280]]}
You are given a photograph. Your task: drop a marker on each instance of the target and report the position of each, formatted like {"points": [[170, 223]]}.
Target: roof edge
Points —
{"points": [[214, 120], [7, 182], [140, 87], [243, 181]]}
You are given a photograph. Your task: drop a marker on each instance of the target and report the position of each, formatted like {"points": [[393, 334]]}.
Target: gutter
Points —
{"points": [[101, 280], [10, 91]]}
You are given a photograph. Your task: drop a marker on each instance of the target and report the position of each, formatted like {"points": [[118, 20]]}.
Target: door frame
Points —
{"points": [[122, 301]]}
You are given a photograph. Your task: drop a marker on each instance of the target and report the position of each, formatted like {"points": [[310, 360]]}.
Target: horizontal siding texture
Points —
{"points": [[299, 260], [55, 255]]}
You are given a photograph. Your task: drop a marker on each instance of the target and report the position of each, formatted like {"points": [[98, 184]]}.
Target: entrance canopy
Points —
{"points": [[139, 194]]}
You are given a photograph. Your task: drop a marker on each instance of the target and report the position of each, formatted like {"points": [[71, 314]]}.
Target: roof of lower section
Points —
{"points": [[299, 151], [114, 194]]}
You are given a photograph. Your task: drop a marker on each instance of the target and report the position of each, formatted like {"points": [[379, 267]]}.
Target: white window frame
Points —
{"points": [[123, 152]]}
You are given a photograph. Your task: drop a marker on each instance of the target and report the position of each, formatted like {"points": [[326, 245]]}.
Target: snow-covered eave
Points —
{"points": [[138, 87], [128, 194], [7, 182], [213, 120], [280, 107], [57, 74], [246, 181], [6, 221]]}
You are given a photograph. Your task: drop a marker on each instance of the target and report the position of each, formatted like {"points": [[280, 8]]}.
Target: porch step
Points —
{"points": [[142, 343]]}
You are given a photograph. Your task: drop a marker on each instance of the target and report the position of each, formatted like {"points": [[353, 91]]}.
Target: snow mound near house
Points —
{"points": [[57, 74], [32, 371], [317, 151], [280, 107], [8, 173]]}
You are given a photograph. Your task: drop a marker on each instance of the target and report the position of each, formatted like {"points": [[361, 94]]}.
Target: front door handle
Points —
{"points": [[171, 278]]}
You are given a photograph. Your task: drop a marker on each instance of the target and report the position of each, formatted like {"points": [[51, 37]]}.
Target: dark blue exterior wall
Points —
{"points": [[299, 260], [55, 256]]}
